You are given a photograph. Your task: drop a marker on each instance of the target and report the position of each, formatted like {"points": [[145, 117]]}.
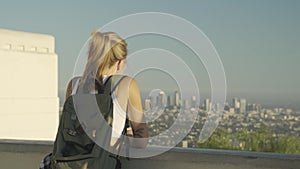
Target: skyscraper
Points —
{"points": [[170, 101], [207, 105], [147, 104], [235, 103], [177, 98], [161, 99], [193, 102], [243, 105]]}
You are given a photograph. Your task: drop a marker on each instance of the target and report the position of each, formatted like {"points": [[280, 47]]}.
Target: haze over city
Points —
{"points": [[257, 41]]}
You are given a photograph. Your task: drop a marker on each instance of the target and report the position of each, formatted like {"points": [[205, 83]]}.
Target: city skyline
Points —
{"points": [[239, 117], [173, 99]]}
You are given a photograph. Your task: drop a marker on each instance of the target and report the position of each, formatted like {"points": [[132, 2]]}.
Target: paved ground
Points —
{"points": [[12, 160]]}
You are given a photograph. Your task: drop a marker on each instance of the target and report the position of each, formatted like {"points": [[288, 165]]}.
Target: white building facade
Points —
{"points": [[29, 103]]}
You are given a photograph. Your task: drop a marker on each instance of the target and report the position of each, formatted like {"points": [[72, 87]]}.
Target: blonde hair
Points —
{"points": [[105, 49]]}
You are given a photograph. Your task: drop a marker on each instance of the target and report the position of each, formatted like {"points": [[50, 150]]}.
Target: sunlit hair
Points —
{"points": [[105, 49]]}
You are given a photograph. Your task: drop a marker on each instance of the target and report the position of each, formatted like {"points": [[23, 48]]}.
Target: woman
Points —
{"points": [[107, 57]]}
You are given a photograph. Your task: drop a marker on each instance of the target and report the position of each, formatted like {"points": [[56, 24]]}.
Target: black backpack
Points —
{"points": [[82, 125]]}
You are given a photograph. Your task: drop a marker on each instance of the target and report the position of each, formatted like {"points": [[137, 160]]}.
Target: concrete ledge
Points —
{"points": [[209, 158], [32, 152], [25, 146]]}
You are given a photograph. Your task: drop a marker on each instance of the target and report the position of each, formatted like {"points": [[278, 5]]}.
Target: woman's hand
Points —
{"points": [[129, 131]]}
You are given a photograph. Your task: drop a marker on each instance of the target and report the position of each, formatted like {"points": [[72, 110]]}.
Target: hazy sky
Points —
{"points": [[258, 40]]}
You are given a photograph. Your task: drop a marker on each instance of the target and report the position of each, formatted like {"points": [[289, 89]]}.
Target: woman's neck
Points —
{"points": [[109, 72]]}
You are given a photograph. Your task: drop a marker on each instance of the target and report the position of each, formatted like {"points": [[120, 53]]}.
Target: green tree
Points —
{"points": [[219, 140], [288, 144], [259, 141]]}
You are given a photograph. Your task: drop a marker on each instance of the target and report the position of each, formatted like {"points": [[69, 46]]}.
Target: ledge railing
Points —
{"points": [[15, 154]]}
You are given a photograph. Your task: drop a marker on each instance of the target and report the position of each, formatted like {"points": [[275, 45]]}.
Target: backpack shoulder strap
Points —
{"points": [[75, 83], [112, 83]]}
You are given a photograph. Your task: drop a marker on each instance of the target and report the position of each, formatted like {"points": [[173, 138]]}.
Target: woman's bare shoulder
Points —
{"points": [[130, 82]]}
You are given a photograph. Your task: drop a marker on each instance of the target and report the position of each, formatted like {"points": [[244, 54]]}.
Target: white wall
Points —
{"points": [[29, 103]]}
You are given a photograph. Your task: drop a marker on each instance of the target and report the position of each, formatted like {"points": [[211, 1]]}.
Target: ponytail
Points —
{"points": [[105, 49]]}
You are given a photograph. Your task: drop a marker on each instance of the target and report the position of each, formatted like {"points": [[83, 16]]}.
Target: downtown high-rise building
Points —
{"points": [[170, 101], [193, 102], [161, 100], [243, 105], [177, 98], [235, 103], [147, 104], [207, 105]]}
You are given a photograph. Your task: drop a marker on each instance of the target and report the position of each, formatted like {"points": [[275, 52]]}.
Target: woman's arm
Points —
{"points": [[136, 115]]}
